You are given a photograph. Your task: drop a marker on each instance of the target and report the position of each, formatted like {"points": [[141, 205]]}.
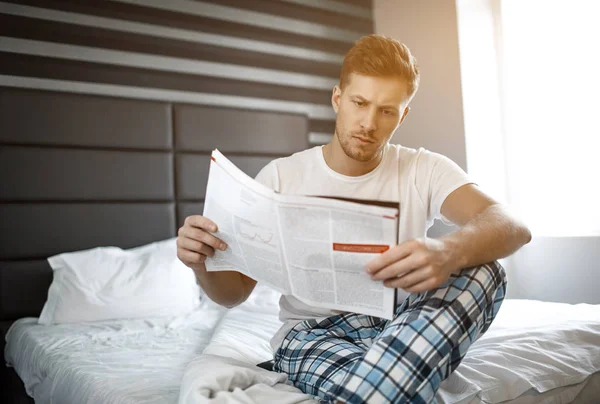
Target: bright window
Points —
{"points": [[531, 92], [551, 79]]}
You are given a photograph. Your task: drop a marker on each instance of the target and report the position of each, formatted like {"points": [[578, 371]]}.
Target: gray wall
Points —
{"points": [[549, 268], [559, 269]]}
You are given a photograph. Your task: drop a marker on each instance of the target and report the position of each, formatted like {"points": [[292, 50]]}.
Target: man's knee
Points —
{"points": [[487, 280], [486, 287]]}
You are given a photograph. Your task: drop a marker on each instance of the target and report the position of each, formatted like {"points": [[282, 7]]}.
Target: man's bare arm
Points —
{"points": [[488, 230]]}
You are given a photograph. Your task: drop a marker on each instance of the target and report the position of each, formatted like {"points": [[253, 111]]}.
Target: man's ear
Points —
{"points": [[404, 114], [335, 98]]}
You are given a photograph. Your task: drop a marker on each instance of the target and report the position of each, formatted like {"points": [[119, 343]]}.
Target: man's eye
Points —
{"points": [[359, 103], [388, 112]]}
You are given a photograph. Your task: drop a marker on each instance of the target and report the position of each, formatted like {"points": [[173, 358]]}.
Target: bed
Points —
{"points": [[72, 179], [210, 354]]}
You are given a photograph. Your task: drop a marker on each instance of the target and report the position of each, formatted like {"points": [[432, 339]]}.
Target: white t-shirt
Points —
{"points": [[419, 179]]}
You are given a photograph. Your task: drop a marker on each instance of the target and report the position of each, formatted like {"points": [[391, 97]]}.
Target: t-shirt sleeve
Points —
{"points": [[437, 177], [268, 176]]}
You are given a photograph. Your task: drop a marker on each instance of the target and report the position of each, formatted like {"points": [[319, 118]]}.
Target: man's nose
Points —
{"points": [[369, 120]]}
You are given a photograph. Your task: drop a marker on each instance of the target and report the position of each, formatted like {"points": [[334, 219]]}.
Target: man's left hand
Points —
{"points": [[416, 265]]}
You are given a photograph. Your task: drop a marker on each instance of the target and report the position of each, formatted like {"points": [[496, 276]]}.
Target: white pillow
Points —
{"points": [[531, 346], [106, 283]]}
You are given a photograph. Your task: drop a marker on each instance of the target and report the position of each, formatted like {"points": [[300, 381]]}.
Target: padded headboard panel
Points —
{"points": [[80, 171]]}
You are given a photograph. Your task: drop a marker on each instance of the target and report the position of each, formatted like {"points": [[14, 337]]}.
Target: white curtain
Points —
{"points": [[531, 93], [550, 73]]}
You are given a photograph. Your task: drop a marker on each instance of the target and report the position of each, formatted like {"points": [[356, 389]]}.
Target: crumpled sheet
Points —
{"points": [[219, 380]]}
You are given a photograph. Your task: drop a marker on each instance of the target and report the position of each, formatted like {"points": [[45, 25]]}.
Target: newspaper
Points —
{"points": [[313, 248]]}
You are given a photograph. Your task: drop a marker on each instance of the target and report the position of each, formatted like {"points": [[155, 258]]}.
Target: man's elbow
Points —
{"points": [[525, 234], [228, 301], [517, 228], [232, 298], [231, 303]]}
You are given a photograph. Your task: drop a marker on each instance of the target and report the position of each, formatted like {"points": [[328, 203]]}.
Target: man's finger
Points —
{"points": [[411, 279], [190, 257], [195, 246], [204, 237], [398, 268], [428, 284], [390, 256], [201, 222]]}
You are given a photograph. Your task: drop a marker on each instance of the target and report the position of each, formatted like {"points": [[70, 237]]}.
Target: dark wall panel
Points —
{"points": [[302, 12], [41, 230], [30, 173], [192, 172], [149, 15], [185, 209], [200, 128], [16, 277], [104, 73], [32, 28], [46, 117]]}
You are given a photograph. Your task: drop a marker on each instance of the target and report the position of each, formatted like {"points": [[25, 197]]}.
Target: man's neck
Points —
{"points": [[339, 161]]}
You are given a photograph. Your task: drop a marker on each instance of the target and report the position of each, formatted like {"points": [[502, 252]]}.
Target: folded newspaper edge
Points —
{"points": [[314, 248]]}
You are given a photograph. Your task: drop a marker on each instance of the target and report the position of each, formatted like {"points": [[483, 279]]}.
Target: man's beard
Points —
{"points": [[354, 153]]}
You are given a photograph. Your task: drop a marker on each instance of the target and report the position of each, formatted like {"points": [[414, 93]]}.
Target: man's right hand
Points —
{"points": [[195, 241]]}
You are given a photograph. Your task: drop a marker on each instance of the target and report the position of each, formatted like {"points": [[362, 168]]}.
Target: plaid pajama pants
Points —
{"points": [[355, 358]]}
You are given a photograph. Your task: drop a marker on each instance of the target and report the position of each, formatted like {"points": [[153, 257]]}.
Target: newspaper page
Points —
{"points": [[243, 210], [315, 249]]}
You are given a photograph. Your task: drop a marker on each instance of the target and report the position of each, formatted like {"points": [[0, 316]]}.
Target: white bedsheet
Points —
{"points": [[231, 381], [531, 348], [134, 361], [160, 361], [535, 352]]}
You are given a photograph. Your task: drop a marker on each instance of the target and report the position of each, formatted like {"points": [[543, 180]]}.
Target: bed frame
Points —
{"points": [[80, 171]]}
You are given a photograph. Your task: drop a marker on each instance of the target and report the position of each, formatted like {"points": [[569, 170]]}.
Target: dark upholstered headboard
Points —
{"points": [[79, 171]]}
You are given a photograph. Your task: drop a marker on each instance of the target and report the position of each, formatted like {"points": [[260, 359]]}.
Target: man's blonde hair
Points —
{"points": [[380, 56]]}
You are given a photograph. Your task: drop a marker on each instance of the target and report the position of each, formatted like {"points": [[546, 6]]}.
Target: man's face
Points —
{"points": [[369, 110]]}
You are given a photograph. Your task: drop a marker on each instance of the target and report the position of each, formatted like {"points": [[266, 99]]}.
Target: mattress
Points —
{"points": [[132, 361], [143, 361]]}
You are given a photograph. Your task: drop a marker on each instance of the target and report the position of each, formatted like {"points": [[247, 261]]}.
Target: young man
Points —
{"points": [[456, 286]]}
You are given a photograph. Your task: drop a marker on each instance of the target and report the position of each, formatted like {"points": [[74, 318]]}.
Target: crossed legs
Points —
{"points": [[354, 358]]}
